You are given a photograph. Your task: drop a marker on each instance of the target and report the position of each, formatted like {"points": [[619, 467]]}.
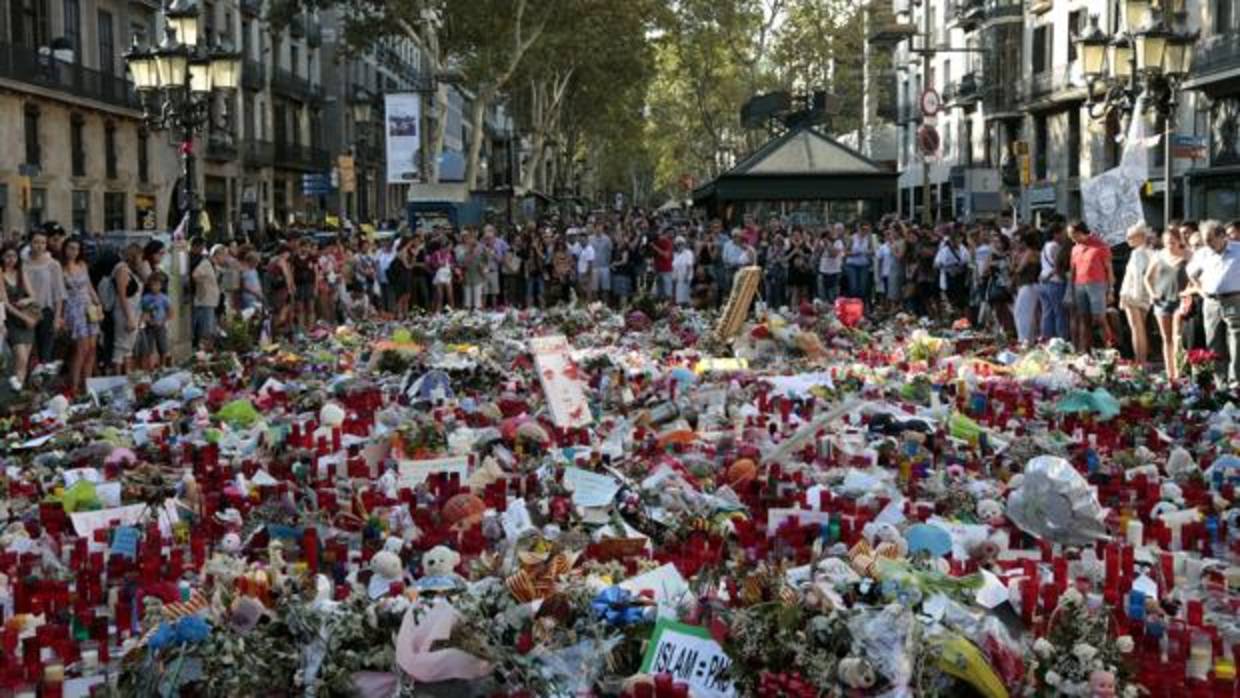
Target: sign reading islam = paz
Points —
{"points": [[689, 654]]}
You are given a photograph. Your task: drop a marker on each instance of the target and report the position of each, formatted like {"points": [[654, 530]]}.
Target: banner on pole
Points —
{"points": [[403, 121]]}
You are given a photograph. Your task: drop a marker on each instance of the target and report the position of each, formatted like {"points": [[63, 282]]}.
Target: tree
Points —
{"points": [[821, 45], [480, 43]]}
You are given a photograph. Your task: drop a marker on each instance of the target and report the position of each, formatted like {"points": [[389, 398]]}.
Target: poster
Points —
{"points": [[1112, 200], [566, 398], [403, 121]]}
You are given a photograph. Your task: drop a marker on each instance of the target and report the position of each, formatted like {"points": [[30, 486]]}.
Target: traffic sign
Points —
{"points": [[930, 102], [348, 174], [928, 140]]}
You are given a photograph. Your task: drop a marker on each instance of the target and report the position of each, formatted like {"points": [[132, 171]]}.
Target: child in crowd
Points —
{"points": [[156, 309]]}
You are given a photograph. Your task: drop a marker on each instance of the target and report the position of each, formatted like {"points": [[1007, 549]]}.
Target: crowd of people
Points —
{"points": [[110, 309]]}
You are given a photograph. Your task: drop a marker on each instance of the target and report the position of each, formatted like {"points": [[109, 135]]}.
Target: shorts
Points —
{"points": [[602, 279], [1091, 297], [1166, 308], [154, 340], [204, 326], [492, 283]]}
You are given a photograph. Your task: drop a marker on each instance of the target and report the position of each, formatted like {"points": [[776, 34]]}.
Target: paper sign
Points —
{"points": [[668, 585], [414, 472], [125, 542], [74, 474], [516, 519], [85, 523], [566, 399], [590, 489], [690, 655], [776, 517]]}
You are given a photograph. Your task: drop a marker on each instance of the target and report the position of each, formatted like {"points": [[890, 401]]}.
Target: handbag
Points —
{"points": [[94, 313]]}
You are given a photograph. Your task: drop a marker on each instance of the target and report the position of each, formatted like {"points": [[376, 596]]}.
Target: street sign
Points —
{"points": [[316, 184], [928, 140], [930, 102], [1026, 169], [1187, 147]]}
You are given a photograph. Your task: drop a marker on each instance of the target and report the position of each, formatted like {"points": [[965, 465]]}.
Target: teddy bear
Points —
{"points": [[385, 570], [990, 511], [857, 672], [439, 570]]}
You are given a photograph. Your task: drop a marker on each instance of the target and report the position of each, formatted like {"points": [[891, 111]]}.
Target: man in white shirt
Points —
{"points": [[585, 267], [383, 260], [952, 261], [1214, 272]]}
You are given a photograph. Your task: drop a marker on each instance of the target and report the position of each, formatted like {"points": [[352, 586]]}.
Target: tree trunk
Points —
{"points": [[477, 118]]}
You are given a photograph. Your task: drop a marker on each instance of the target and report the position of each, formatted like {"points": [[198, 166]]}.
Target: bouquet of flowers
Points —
{"points": [[1078, 656]]}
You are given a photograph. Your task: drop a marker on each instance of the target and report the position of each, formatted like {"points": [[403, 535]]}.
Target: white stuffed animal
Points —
{"points": [[440, 561]]}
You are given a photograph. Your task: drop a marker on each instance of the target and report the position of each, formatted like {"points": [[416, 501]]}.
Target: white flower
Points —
{"points": [[1071, 596], [1131, 691], [1084, 652], [1052, 678], [1125, 643], [1043, 648]]}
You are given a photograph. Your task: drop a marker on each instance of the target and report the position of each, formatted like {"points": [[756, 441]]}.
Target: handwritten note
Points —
{"points": [[414, 472], [566, 398], [690, 655], [667, 584], [590, 489], [85, 523]]}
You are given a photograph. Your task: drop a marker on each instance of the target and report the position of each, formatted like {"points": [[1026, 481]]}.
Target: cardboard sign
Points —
{"points": [[744, 288], [125, 542], [85, 523], [414, 472], [566, 399], [691, 655], [667, 584]]}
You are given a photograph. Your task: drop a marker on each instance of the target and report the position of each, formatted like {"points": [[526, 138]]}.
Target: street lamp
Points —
{"points": [[1148, 58], [177, 81]]}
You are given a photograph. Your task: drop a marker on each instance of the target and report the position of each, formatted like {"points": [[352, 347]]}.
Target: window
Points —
{"points": [[208, 22], [228, 25], [31, 23], [947, 74], [247, 45], [1076, 29], [1041, 138], [33, 151], [73, 27], [77, 147], [1041, 56], [1224, 17], [966, 142], [109, 149], [81, 211], [114, 210], [107, 49], [294, 59], [144, 158], [38, 204], [1074, 142]]}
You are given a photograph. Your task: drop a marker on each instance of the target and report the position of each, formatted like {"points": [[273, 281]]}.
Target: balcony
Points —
{"points": [[1001, 100], [288, 84], [254, 76], [301, 157], [1215, 58], [256, 153], [27, 66], [221, 147], [962, 92], [1051, 87], [966, 14], [1004, 10], [252, 8]]}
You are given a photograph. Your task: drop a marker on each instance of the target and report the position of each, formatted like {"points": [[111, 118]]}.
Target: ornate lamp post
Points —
{"points": [[177, 81], [1147, 58]]}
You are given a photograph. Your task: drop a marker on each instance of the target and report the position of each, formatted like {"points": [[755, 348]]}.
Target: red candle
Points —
{"points": [[310, 548]]}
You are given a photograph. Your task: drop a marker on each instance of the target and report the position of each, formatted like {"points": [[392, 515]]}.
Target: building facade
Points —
{"points": [[1214, 184], [1015, 130], [77, 153]]}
